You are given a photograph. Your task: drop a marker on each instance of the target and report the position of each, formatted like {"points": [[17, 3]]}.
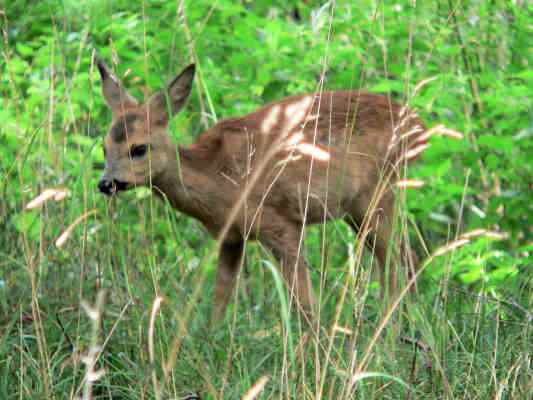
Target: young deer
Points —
{"points": [[265, 176]]}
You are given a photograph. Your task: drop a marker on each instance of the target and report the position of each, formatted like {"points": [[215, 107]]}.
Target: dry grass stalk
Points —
{"points": [[256, 389], [57, 194], [62, 239]]}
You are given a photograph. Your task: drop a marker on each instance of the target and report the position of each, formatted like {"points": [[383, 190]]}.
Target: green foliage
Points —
{"points": [[476, 61]]}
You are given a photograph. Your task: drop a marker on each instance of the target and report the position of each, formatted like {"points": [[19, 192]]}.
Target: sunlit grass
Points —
{"points": [[149, 336]]}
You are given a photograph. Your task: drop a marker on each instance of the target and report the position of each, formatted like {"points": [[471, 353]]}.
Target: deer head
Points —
{"points": [[137, 146]]}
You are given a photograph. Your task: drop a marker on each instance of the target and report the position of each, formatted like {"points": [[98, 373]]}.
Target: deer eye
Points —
{"points": [[138, 150]]}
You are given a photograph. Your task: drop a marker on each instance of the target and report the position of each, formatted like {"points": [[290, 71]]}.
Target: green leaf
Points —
{"points": [[28, 223], [24, 49], [501, 143]]}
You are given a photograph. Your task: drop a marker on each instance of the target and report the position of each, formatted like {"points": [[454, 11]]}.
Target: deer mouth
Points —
{"points": [[112, 187]]}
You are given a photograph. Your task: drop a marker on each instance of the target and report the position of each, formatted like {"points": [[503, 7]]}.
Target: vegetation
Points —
{"points": [[467, 333]]}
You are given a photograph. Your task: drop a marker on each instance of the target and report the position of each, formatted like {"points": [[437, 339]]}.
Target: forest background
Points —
{"points": [[464, 64]]}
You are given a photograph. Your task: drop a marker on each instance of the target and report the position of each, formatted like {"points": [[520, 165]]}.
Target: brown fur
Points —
{"points": [[119, 131], [265, 176]]}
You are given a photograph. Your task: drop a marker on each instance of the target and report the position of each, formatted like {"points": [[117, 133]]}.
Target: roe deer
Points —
{"points": [[264, 176]]}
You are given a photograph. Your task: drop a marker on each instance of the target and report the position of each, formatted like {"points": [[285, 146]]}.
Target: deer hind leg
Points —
{"points": [[229, 263], [378, 217], [283, 242], [411, 261]]}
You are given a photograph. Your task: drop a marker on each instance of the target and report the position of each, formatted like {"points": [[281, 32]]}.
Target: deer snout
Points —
{"points": [[111, 186], [106, 187]]}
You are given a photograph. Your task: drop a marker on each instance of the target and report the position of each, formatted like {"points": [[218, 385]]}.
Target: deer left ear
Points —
{"points": [[117, 98], [176, 92]]}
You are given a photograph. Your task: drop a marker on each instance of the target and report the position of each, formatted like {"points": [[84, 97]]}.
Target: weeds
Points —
{"points": [[466, 333]]}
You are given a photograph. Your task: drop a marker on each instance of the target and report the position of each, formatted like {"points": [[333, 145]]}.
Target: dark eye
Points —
{"points": [[138, 150]]}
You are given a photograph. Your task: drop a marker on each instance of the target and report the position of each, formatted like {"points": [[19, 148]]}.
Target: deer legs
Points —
{"points": [[379, 222], [229, 263], [283, 241]]}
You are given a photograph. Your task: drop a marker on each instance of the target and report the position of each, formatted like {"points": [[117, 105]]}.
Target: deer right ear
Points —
{"points": [[177, 92], [117, 98]]}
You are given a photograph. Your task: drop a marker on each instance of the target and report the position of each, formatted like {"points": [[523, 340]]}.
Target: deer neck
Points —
{"points": [[185, 185]]}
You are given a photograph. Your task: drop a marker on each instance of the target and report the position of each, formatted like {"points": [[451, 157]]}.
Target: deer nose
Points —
{"points": [[106, 187]]}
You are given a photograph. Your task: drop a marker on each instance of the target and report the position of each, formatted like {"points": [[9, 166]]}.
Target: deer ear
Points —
{"points": [[117, 98], [176, 92]]}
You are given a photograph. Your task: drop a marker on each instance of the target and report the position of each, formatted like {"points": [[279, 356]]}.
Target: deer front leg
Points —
{"points": [[283, 241], [229, 263]]}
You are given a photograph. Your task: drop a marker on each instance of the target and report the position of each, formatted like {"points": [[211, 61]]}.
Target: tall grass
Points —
{"points": [[465, 334]]}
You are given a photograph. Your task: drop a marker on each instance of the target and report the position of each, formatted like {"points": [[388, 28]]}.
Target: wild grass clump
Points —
{"points": [[465, 207]]}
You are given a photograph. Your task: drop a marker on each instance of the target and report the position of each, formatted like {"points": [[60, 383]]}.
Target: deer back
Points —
{"points": [[328, 148]]}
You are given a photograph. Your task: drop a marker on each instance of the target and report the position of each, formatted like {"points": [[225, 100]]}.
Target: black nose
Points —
{"points": [[106, 187]]}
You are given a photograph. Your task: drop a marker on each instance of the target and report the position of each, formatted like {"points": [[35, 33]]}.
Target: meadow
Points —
{"points": [[110, 298]]}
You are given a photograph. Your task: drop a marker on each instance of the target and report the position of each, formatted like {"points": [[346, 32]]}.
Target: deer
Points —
{"points": [[265, 176]]}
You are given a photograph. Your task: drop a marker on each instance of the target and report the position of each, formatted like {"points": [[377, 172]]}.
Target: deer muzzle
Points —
{"points": [[109, 187]]}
